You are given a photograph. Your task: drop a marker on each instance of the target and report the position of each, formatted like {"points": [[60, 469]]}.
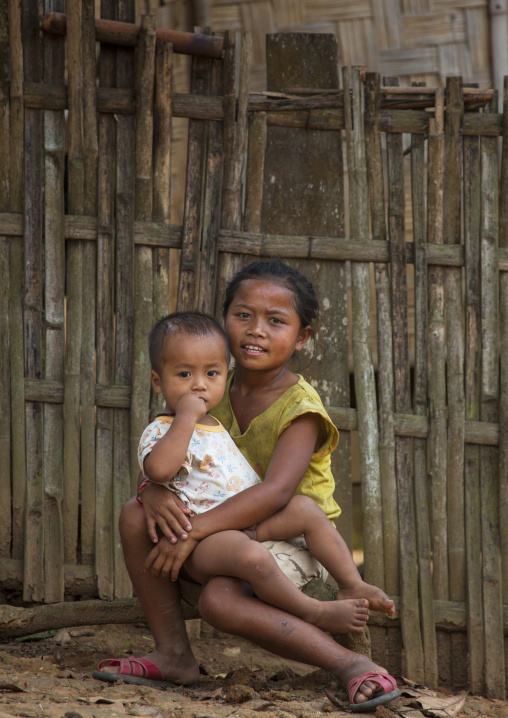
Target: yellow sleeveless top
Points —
{"points": [[258, 443]]}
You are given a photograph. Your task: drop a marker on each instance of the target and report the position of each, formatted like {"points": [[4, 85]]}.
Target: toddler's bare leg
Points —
{"points": [[232, 553], [303, 516]]}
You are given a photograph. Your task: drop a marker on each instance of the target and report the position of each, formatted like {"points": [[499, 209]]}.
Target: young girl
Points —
{"points": [[190, 453], [268, 311]]}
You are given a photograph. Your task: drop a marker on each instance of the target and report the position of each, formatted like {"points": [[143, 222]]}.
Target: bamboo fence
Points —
{"points": [[87, 256]]}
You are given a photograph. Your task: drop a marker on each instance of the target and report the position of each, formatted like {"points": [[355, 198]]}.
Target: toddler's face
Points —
{"points": [[192, 365]]}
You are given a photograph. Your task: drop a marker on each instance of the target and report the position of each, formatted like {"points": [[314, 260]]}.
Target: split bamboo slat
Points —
{"points": [[162, 189], [234, 144], [362, 357], [503, 309], [424, 553], [411, 634], [472, 371], [104, 561], [33, 588], [489, 411], [87, 248], [89, 295], [124, 301], [207, 281], [54, 300], [15, 283], [189, 260], [5, 200], [383, 644], [74, 299], [143, 256], [455, 353]]}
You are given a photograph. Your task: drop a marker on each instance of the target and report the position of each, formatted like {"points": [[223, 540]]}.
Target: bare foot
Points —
{"points": [[183, 671], [378, 600], [348, 616]]}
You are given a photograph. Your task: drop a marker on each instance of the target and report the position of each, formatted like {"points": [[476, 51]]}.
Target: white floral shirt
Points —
{"points": [[214, 468]]}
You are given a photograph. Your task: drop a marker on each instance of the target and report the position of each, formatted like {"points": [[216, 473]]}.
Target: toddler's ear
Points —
{"points": [[156, 381], [303, 338]]}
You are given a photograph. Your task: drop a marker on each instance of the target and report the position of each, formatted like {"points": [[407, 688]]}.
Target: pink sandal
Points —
{"points": [[387, 692], [140, 671]]}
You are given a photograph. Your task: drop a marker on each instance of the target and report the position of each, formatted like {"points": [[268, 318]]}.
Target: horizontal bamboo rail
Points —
{"points": [[310, 114], [126, 34], [156, 234], [119, 397]]}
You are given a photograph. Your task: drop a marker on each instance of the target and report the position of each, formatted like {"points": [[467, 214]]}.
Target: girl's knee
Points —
{"points": [[132, 519], [216, 603]]}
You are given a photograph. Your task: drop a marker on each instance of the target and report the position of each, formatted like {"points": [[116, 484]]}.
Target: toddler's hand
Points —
{"points": [[191, 406]]}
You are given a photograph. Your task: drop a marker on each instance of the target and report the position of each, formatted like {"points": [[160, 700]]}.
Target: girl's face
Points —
{"points": [[263, 326]]}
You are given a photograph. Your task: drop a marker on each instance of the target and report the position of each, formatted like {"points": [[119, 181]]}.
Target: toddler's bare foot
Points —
{"points": [[378, 600], [347, 616]]}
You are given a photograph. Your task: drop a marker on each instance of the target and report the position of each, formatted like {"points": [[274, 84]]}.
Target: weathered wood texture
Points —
{"points": [[87, 263]]}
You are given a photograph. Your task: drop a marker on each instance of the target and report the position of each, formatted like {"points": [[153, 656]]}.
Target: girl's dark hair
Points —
{"points": [[191, 323], [306, 303]]}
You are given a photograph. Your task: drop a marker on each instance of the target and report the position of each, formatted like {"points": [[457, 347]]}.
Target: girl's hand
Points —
{"points": [[164, 509], [166, 559]]}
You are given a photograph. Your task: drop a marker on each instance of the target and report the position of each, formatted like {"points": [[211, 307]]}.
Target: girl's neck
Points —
{"points": [[277, 380]]}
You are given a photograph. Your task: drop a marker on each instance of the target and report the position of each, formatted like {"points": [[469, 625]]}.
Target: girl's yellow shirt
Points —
{"points": [[258, 443]]}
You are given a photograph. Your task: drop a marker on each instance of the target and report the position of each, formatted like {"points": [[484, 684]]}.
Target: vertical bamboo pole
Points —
{"points": [[5, 206], [74, 286], [143, 308], [420, 408], [454, 351], [124, 299], [87, 363], [472, 397], [489, 411], [360, 297], [163, 110], [255, 169], [410, 613], [189, 259], [54, 283], [230, 263], [437, 358], [16, 286], [235, 139], [503, 405], [33, 567], [104, 562], [211, 204], [385, 643]]}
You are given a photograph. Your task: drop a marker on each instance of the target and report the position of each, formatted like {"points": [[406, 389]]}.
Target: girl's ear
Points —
{"points": [[156, 381], [303, 338]]}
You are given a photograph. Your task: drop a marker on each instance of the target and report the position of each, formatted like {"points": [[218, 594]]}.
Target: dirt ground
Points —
{"points": [[51, 677]]}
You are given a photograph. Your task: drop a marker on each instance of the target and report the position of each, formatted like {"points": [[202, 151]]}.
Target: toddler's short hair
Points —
{"points": [[191, 323]]}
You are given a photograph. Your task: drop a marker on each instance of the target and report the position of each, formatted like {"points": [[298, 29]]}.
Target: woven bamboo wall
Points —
{"points": [[85, 241], [415, 40]]}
